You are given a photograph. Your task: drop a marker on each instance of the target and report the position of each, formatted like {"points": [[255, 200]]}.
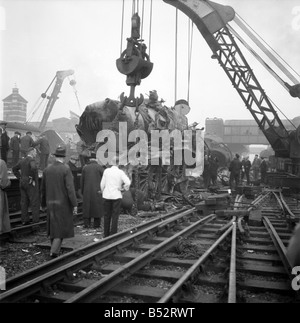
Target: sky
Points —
{"points": [[40, 37]]}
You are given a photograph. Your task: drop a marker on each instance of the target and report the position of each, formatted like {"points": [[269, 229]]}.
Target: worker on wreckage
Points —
{"points": [[110, 118]]}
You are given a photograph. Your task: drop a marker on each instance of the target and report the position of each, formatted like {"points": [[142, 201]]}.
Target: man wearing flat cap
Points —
{"points": [[25, 143], [15, 148], [44, 148], [26, 171], [58, 194]]}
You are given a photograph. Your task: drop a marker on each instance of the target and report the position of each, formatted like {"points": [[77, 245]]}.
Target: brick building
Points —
{"points": [[14, 107]]}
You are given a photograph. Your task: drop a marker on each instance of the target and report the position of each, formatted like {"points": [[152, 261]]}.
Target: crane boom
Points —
{"points": [[60, 76], [211, 19]]}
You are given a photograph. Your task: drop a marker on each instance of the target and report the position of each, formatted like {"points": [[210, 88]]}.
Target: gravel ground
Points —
{"points": [[17, 257]]}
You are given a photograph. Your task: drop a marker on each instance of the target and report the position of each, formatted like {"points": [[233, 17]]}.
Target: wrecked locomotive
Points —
{"points": [[163, 175]]}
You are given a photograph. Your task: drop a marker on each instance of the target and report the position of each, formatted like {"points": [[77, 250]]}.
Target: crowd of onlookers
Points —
{"points": [[59, 187], [19, 145], [101, 188], [242, 171]]}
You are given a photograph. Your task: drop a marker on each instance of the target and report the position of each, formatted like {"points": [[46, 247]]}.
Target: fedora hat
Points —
{"points": [[60, 151]]}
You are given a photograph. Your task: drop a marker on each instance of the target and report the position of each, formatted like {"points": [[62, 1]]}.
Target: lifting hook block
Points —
{"points": [[131, 101]]}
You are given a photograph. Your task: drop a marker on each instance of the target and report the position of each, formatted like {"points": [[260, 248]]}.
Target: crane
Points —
{"points": [[212, 21], [59, 77]]}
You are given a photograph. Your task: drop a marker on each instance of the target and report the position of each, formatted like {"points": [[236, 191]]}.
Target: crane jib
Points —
{"points": [[211, 19], [60, 76]]}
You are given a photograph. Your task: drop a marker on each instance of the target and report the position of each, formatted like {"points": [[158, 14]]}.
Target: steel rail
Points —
{"points": [[17, 229], [100, 287], [192, 271], [279, 201], [281, 249], [286, 207], [63, 267], [85, 250], [232, 272], [261, 198]]}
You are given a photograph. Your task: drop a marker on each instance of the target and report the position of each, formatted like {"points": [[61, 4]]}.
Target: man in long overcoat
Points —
{"points": [[15, 147], [44, 148], [26, 172], [4, 212], [91, 195], [25, 143], [4, 143], [235, 169], [58, 194], [255, 167]]}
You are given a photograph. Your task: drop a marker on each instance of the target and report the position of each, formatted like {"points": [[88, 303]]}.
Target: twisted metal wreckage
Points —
{"points": [[143, 114], [212, 20]]}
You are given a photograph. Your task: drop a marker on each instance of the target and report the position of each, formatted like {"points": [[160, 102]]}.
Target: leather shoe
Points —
{"points": [[53, 255]]}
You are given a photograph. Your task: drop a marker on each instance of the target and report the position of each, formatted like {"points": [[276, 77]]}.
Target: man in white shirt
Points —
{"points": [[113, 181]]}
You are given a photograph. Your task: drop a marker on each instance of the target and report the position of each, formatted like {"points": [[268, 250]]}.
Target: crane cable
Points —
{"points": [[240, 23], [34, 111], [190, 49], [122, 28], [134, 9], [150, 26], [279, 79], [269, 46], [258, 57], [290, 121], [142, 23], [42, 111], [75, 91], [176, 54]]}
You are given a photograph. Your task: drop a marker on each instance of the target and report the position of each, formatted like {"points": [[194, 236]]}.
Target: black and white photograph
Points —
{"points": [[149, 153]]}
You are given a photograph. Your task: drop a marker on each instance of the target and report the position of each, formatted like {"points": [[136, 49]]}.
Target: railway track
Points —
{"points": [[182, 257], [18, 229]]}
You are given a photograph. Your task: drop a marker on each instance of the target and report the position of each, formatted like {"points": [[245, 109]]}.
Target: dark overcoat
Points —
{"points": [[90, 187], [4, 211], [58, 193]]}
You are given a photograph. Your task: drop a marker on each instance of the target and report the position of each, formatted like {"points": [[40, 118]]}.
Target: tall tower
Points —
{"points": [[14, 107]]}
